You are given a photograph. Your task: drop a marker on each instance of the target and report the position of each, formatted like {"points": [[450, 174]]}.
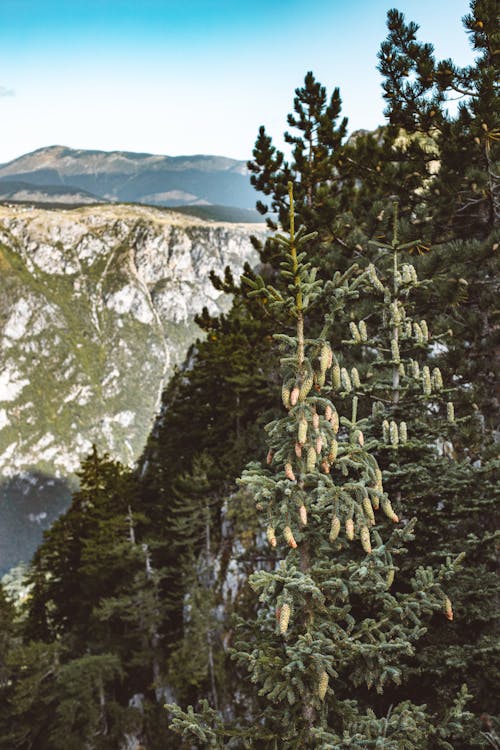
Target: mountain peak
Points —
{"points": [[125, 176]]}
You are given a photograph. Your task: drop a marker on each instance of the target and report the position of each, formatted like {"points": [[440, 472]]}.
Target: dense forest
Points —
{"points": [[305, 555]]}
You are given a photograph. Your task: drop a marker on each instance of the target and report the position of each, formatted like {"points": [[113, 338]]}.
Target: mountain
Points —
{"points": [[121, 176], [97, 307], [16, 191]]}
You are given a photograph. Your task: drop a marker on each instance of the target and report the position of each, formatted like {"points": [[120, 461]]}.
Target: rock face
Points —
{"points": [[97, 306]]}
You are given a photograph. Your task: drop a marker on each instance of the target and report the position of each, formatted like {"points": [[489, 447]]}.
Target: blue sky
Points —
{"points": [[190, 77]]}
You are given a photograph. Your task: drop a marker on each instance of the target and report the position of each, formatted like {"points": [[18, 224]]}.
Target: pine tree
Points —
{"points": [[327, 619], [461, 194], [465, 188], [95, 605], [52, 705], [317, 146], [412, 426], [372, 168], [77, 561], [322, 176]]}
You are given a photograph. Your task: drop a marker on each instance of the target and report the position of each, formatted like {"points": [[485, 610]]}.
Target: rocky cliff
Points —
{"points": [[97, 306]]}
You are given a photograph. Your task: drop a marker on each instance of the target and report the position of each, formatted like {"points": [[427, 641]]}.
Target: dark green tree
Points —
{"points": [[416, 435], [316, 148], [328, 622], [52, 705], [95, 605], [464, 192]]}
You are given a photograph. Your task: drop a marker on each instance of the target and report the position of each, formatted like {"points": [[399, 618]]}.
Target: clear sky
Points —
{"points": [[186, 76]]}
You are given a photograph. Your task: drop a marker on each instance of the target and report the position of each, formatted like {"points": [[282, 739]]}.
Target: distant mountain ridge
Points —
{"points": [[24, 192], [122, 176]]}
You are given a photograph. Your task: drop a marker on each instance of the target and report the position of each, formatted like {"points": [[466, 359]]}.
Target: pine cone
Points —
{"points": [[368, 508], [285, 395], [332, 454], [336, 377], [394, 434], [284, 618], [389, 511], [448, 609], [365, 540], [450, 412], [289, 537], [335, 529], [271, 537], [345, 380], [311, 459], [302, 431], [325, 358], [355, 378], [403, 432], [426, 380], [294, 396], [306, 386], [322, 685], [349, 529], [354, 332]]}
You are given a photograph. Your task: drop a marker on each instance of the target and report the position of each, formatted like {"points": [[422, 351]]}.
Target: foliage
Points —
{"points": [[375, 509], [326, 616]]}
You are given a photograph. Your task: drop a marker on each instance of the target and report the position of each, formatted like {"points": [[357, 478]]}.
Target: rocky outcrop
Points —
{"points": [[97, 308]]}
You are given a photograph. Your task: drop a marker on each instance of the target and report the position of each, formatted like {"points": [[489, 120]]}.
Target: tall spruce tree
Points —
{"points": [[442, 167], [412, 427], [328, 621]]}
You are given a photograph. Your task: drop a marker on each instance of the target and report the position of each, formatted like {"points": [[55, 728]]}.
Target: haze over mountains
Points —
{"points": [[57, 174]]}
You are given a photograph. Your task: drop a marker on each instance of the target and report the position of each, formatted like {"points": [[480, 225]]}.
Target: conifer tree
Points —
{"points": [[95, 610], [77, 562], [316, 143], [323, 178], [328, 619], [371, 168], [52, 705], [461, 191], [464, 191]]}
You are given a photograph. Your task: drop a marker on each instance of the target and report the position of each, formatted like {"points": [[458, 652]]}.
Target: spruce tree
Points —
{"points": [[328, 621]]}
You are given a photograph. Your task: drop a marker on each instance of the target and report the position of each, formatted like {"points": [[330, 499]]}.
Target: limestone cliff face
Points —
{"points": [[96, 308]]}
